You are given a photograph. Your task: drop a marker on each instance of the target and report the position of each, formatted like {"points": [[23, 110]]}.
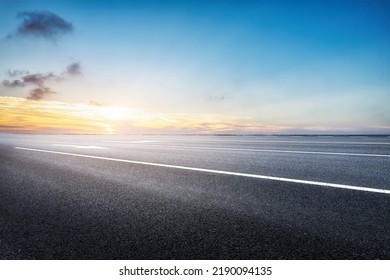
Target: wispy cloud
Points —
{"points": [[39, 80], [17, 73], [219, 98], [42, 24], [20, 114], [23, 115], [74, 69], [95, 103], [40, 93], [26, 115], [13, 84], [47, 25]]}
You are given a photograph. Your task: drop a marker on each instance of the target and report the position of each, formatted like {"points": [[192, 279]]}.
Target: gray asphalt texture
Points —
{"points": [[55, 206]]}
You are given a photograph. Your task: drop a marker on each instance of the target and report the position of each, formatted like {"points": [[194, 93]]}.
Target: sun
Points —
{"points": [[114, 113]]}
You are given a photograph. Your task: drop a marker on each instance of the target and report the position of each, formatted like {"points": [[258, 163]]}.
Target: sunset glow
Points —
{"points": [[21, 115], [250, 67]]}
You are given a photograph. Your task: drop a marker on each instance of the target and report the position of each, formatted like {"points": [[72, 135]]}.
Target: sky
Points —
{"points": [[195, 67]]}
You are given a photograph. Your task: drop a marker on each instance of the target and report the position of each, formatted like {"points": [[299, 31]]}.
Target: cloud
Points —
{"points": [[74, 69], [40, 93], [42, 24], [17, 73], [13, 84], [34, 79], [22, 115], [39, 81], [219, 98], [95, 103]]}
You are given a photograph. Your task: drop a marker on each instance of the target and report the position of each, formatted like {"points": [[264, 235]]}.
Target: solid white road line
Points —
{"points": [[132, 142], [315, 183], [259, 141], [302, 142], [80, 146], [271, 151]]}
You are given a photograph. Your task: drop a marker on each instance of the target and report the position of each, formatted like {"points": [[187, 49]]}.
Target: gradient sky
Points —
{"points": [[198, 67]]}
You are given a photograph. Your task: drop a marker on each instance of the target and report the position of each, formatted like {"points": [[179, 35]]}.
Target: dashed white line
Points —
{"points": [[80, 146], [290, 180], [133, 142]]}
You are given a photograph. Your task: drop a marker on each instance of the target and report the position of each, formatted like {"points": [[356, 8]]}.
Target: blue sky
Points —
{"points": [[214, 66]]}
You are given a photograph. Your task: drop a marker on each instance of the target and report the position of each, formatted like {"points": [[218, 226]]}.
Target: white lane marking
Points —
{"points": [[306, 182], [132, 142], [79, 146], [271, 151], [302, 142]]}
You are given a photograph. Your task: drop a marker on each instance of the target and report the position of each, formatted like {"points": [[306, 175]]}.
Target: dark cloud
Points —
{"points": [[13, 84], [40, 93], [43, 24], [39, 81], [33, 79], [74, 69]]}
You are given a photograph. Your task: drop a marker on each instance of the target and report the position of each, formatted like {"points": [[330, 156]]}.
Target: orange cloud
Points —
{"points": [[22, 115]]}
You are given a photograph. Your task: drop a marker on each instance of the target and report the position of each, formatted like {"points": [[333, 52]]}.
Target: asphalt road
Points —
{"points": [[194, 197]]}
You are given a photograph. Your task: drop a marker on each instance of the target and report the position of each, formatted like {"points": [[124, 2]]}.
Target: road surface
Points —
{"points": [[194, 197]]}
